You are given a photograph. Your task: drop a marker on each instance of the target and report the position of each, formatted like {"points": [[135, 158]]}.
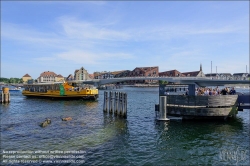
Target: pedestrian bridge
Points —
{"points": [[200, 81]]}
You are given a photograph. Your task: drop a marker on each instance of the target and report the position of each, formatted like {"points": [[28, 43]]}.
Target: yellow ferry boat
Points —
{"points": [[60, 90]]}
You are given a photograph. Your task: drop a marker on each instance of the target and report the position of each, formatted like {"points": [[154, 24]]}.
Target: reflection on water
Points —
{"points": [[109, 140]]}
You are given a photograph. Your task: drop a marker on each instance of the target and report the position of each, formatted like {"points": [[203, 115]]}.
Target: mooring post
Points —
{"points": [[104, 99], [9, 97], [5, 95], [2, 99], [116, 102], [105, 103], [120, 104], [163, 108], [125, 105], [110, 102]]}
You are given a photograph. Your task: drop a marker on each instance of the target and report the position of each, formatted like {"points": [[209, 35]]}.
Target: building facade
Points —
{"points": [[145, 72], [103, 75], [91, 76], [59, 78], [219, 75], [26, 77], [170, 73], [121, 73], [240, 75], [49, 76], [81, 74]]}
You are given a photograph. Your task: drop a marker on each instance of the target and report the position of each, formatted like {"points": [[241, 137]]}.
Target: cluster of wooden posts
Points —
{"points": [[115, 102], [5, 96]]}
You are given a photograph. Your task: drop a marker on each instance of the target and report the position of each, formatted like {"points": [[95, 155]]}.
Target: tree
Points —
{"points": [[11, 80], [161, 82]]}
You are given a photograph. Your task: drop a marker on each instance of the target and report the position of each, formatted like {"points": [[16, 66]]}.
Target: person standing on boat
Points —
{"points": [[232, 91], [196, 91], [224, 91]]}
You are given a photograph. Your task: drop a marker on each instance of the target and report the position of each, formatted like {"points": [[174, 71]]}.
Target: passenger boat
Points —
{"points": [[60, 90]]}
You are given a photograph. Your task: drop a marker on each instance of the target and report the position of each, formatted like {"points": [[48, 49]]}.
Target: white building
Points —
{"points": [[49, 76], [81, 74]]}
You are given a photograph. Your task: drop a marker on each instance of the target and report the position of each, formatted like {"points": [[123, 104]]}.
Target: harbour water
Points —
{"points": [[109, 140]]}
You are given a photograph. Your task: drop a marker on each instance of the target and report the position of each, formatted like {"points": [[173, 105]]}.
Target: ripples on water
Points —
{"points": [[109, 140]]}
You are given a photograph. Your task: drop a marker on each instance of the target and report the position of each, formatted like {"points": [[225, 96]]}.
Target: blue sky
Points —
{"points": [[63, 36]]}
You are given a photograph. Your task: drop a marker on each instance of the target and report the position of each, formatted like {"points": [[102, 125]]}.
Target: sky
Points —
{"points": [[63, 36]]}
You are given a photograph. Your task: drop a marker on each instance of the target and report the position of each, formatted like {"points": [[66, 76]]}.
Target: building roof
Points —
{"points": [[193, 73], [211, 74], [48, 74], [240, 74], [101, 73], [215, 74], [60, 76], [145, 69], [169, 71], [26, 75], [70, 77], [118, 72]]}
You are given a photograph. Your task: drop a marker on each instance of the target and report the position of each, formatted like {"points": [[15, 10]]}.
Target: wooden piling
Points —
{"points": [[125, 105], [5, 96], [105, 103], [116, 103], [2, 98], [110, 102], [120, 103]]}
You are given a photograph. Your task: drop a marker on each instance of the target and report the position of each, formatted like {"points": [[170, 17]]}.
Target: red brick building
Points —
{"points": [[171, 73], [145, 72]]}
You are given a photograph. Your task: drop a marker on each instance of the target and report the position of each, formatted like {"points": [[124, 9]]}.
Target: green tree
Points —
{"points": [[11, 80], [5, 80], [161, 82]]}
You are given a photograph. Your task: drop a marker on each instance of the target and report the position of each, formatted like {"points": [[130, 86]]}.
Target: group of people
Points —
{"points": [[214, 92]]}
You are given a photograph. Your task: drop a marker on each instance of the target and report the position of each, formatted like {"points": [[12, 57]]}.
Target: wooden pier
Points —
{"points": [[201, 107], [115, 102], [192, 106]]}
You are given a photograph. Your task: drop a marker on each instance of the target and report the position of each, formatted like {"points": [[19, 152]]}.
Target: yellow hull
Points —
{"points": [[84, 94]]}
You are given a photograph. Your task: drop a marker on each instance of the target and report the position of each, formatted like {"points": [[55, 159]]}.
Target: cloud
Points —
{"points": [[26, 33], [45, 59], [78, 57], [74, 28], [169, 32], [77, 44], [75, 41], [87, 58]]}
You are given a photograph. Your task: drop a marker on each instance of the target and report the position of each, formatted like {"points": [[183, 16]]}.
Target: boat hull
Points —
{"points": [[90, 94], [202, 112]]}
